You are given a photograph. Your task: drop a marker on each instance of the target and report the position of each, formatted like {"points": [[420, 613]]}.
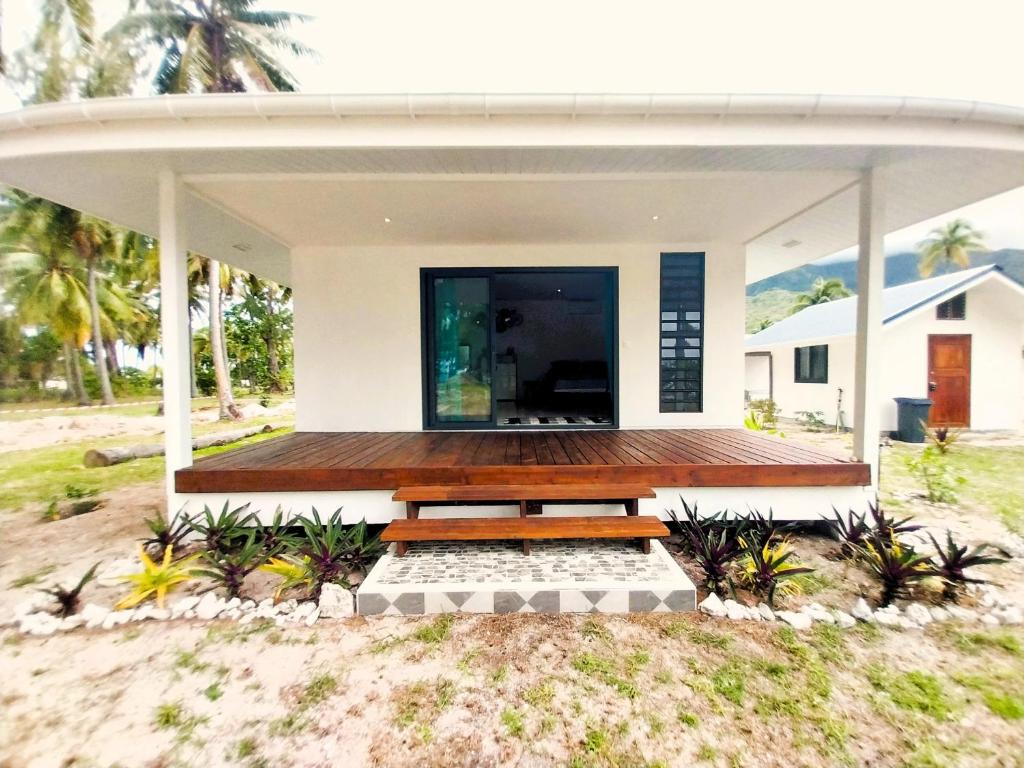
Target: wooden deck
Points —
{"points": [[337, 461]]}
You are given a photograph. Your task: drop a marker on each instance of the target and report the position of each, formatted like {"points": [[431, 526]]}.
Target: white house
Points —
{"points": [[957, 339], [504, 289]]}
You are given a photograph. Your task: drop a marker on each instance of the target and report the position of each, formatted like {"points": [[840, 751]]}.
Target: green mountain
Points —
{"points": [[768, 307], [899, 268]]}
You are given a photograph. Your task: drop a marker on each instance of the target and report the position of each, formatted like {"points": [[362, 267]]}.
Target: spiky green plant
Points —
{"points": [[293, 572], [851, 532], [68, 600], [954, 560], [278, 535], [889, 527], [333, 550], [766, 565], [896, 565], [222, 532], [229, 569], [157, 579], [164, 534], [714, 543]]}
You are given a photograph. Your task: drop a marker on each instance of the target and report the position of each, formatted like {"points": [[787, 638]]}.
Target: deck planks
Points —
{"points": [[322, 461]]}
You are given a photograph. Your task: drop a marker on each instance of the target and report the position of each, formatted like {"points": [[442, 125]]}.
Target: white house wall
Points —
{"points": [[995, 322], [358, 336]]}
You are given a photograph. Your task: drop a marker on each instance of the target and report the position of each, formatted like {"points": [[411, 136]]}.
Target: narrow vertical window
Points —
{"points": [[810, 364], [682, 333]]}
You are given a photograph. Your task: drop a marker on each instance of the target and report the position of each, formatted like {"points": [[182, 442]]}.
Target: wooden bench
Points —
{"points": [[525, 529], [530, 498]]}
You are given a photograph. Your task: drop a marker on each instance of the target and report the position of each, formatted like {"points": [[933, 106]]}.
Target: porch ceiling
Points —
{"points": [[271, 171]]}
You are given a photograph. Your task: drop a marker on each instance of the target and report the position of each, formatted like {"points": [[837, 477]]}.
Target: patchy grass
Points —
{"points": [[175, 717], [513, 722], [319, 689], [916, 691], [419, 703], [34, 577], [436, 632], [1001, 692]]}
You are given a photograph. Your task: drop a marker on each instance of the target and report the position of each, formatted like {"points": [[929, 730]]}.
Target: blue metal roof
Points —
{"points": [[839, 318]]}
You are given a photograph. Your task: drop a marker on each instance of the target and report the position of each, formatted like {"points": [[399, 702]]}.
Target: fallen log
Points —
{"points": [[105, 457]]}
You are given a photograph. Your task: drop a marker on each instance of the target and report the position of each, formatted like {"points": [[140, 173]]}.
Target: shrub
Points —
{"points": [[223, 532], [851, 532], [293, 571], [755, 422], [767, 409], [68, 599], [335, 551], [942, 438], [156, 580], [954, 560], [896, 565], [766, 565], [939, 480], [889, 527], [277, 535], [714, 542], [229, 569], [813, 421], [165, 534]]}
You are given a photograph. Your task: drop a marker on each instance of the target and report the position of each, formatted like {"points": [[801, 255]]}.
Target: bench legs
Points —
{"points": [[645, 546], [412, 510], [526, 546], [401, 547]]}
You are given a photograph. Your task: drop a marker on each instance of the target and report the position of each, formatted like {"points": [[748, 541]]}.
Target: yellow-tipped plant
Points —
{"points": [[156, 580], [294, 572], [766, 568]]}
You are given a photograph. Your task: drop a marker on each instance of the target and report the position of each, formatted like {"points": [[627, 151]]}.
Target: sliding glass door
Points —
{"points": [[460, 342]]}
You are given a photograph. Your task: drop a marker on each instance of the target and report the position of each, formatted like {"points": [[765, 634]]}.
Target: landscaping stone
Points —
{"points": [[962, 614], [234, 602], [209, 607], [40, 624], [904, 623], [188, 615], [93, 615], [72, 622], [939, 614], [1009, 615], [247, 605], [180, 607], [247, 618], [887, 618], [266, 609], [918, 613], [159, 614], [303, 610], [231, 613], [288, 606], [844, 620], [116, 618], [862, 611], [990, 620], [766, 613], [712, 605], [795, 620], [313, 616], [819, 613], [735, 611], [111, 575], [336, 602]]}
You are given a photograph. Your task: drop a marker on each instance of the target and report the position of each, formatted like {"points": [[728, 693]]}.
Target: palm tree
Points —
{"points": [[821, 292], [951, 244], [217, 46]]}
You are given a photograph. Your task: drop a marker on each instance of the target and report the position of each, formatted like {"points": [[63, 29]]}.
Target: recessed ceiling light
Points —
{"points": [[654, 217], [791, 244], [243, 247], [387, 220]]}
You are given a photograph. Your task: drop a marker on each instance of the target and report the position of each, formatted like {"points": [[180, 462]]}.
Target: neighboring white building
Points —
{"points": [[957, 339]]}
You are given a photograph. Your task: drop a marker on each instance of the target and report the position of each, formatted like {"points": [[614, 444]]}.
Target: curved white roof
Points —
{"points": [[269, 172]]}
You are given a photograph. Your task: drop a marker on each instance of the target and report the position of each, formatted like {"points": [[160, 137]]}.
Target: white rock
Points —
{"points": [[735, 611], [887, 618], [159, 614], [267, 604], [287, 606], [766, 613], [142, 613], [795, 620], [335, 602], [234, 602], [283, 619], [313, 616], [989, 620], [247, 618], [1009, 615], [190, 614], [988, 600], [40, 624], [844, 620], [247, 605], [303, 610], [179, 607], [231, 613], [72, 622], [111, 574], [862, 611], [116, 618], [209, 607], [752, 613], [905, 623], [939, 614], [94, 615], [962, 614], [819, 613], [712, 605], [919, 614], [31, 605]]}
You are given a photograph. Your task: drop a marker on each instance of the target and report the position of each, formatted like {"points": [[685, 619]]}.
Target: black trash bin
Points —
{"points": [[911, 416]]}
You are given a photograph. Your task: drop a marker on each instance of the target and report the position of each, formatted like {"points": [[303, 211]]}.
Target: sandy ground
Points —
{"points": [[488, 690], [26, 434]]}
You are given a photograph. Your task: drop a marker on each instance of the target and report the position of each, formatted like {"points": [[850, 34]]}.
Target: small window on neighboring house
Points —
{"points": [[954, 309], [811, 364]]}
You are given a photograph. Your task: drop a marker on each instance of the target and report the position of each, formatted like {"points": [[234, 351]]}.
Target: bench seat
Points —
{"points": [[525, 529]]}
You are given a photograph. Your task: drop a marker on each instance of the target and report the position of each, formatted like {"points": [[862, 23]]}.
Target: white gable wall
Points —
{"points": [[358, 337], [995, 322]]}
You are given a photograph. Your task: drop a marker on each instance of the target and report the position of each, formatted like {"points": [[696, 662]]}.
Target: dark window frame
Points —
{"points": [[682, 318], [952, 309], [809, 377]]}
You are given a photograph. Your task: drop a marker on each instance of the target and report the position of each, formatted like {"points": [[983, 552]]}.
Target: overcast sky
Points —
{"points": [[965, 49]]}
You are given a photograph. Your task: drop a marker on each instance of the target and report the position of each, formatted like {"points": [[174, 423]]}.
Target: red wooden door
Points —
{"points": [[949, 380]]}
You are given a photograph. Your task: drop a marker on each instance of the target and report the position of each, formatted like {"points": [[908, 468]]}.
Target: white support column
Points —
{"points": [[174, 331], [870, 282]]}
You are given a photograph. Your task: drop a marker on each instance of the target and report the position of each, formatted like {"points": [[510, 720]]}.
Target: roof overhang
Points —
{"points": [[270, 172]]}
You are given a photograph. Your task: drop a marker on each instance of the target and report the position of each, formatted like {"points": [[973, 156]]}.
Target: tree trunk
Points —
{"points": [[273, 363], [105, 457], [193, 386], [228, 409], [112, 362], [99, 353], [76, 383]]}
